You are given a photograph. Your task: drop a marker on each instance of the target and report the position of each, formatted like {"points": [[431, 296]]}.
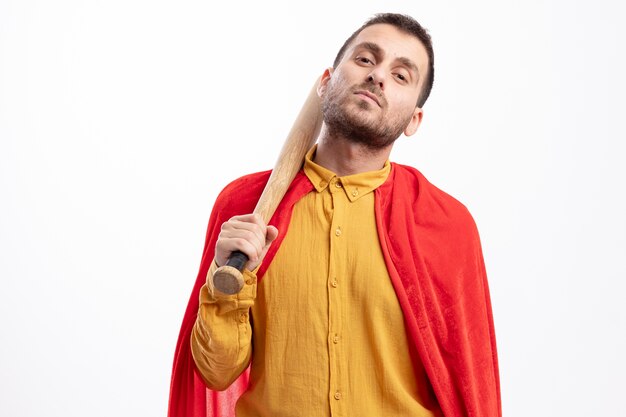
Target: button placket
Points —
{"points": [[337, 251]]}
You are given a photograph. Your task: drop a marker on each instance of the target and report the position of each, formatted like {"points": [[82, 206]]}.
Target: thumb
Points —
{"points": [[271, 234]]}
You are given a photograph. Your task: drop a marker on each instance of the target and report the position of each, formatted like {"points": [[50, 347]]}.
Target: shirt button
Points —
{"points": [[336, 339], [337, 395], [355, 193], [243, 317], [334, 283], [338, 231], [338, 184]]}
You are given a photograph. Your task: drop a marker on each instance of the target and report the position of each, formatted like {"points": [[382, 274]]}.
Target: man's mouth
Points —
{"points": [[368, 95]]}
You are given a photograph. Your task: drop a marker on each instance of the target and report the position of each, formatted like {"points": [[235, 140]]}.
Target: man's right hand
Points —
{"points": [[248, 234]]}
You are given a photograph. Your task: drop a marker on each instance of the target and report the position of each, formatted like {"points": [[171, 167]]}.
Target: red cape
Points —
{"points": [[432, 252]]}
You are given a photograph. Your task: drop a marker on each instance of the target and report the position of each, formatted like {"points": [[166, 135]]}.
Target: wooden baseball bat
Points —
{"points": [[228, 278]]}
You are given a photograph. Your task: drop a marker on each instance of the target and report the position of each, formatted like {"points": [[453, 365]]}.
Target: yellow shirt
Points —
{"points": [[327, 329]]}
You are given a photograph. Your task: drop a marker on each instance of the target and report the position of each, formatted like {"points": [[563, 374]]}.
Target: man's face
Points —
{"points": [[371, 96]]}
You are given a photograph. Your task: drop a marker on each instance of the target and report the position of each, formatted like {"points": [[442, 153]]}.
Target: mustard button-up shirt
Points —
{"points": [[327, 335]]}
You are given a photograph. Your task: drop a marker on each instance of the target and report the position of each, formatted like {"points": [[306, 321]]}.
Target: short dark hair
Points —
{"points": [[407, 25]]}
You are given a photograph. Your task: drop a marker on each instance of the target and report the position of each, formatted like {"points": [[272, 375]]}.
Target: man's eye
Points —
{"points": [[364, 60], [401, 77]]}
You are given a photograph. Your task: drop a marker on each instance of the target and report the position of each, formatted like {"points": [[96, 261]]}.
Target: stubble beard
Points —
{"points": [[361, 123]]}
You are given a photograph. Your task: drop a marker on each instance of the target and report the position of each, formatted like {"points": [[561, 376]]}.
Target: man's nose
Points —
{"points": [[376, 78]]}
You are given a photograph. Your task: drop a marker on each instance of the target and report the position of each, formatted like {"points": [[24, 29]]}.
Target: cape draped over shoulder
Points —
{"points": [[432, 251]]}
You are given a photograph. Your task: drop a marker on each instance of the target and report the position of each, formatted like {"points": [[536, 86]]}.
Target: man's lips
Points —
{"points": [[369, 95]]}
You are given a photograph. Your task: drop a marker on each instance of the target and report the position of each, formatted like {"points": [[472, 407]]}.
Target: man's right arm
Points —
{"points": [[221, 336]]}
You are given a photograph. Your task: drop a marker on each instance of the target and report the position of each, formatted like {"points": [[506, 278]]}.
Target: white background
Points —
{"points": [[120, 121]]}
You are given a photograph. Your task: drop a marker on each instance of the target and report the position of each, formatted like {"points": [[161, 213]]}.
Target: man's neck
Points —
{"points": [[344, 157]]}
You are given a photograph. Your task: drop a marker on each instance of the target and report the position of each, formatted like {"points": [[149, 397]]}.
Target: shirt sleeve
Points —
{"points": [[221, 336]]}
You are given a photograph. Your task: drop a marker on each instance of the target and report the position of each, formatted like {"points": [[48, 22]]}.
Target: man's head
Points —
{"points": [[376, 88], [410, 26]]}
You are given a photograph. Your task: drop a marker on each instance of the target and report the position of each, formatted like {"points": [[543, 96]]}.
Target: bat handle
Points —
{"points": [[229, 278]]}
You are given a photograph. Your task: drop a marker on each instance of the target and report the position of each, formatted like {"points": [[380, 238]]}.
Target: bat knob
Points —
{"points": [[228, 280]]}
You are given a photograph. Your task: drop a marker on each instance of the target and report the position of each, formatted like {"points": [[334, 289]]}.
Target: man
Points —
{"points": [[366, 294]]}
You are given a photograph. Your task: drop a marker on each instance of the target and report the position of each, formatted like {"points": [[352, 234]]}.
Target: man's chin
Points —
{"points": [[363, 119]]}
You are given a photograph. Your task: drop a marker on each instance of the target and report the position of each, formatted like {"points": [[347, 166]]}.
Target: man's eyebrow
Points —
{"points": [[370, 46]]}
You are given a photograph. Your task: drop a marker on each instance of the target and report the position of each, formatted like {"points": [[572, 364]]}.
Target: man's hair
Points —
{"points": [[407, 25]]}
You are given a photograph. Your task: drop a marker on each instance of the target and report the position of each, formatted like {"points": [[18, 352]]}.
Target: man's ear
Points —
{"points": [[415, 121], [325, 78]]}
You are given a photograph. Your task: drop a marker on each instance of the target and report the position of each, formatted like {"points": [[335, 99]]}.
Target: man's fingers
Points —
{"points": [[251, 250], [246, 233], [250, 222], [249, 236], [225, 246]]}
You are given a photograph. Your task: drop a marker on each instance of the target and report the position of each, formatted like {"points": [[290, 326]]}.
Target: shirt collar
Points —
{"points": [[354, 186]]}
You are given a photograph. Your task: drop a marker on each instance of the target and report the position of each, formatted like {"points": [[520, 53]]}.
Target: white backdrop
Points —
{"points": [[120, 121]]}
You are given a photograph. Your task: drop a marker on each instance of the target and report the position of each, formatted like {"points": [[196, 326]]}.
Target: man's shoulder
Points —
{"points": [[427, 197], [247, 184], [242, 193]]}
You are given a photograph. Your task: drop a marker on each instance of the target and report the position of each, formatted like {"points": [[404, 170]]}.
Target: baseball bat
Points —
{"points": [[228, 278]]}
